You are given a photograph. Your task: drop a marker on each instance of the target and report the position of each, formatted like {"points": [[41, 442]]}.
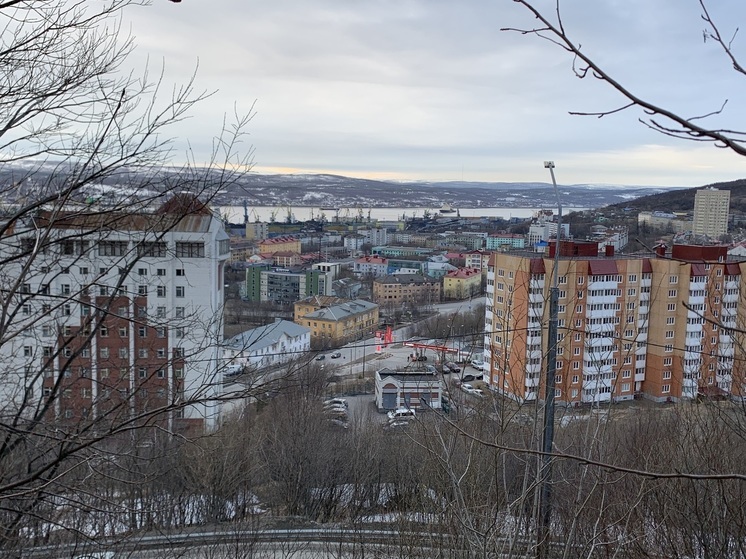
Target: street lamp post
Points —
{"points": [[545, 497]]}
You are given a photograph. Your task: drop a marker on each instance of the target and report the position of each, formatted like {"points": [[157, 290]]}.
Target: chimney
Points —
{"points": [[609, 251], [660, 250]]}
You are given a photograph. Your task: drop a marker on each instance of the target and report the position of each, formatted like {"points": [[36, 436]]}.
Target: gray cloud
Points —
{"points": [[424, 89]]}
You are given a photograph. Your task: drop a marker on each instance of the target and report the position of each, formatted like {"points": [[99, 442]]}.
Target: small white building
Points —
{"points": [[408, 389], [271, 344]]}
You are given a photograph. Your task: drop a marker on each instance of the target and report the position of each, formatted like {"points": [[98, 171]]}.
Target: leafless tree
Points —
{"points": [[86, 153]]}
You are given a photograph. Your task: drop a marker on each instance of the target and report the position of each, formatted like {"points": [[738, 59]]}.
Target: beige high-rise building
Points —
{"points": [[660, 326], [711, 208]]}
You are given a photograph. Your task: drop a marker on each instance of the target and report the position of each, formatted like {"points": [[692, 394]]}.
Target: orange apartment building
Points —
{"points": [[659, 326]]}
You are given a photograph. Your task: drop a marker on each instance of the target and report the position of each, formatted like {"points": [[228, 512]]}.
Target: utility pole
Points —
{"points": [[545, 497]]}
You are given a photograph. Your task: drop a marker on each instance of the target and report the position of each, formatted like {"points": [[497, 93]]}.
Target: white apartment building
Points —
{"points": [[117, 311], [544, 228], [275, 343], [711, 207]]}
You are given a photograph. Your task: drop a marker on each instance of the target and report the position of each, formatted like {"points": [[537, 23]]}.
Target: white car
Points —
{"points": [[478, 364], [469, 389], [402, 414]]}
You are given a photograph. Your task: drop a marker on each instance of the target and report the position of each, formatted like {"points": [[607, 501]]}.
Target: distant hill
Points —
{"points": [[683, 199]]}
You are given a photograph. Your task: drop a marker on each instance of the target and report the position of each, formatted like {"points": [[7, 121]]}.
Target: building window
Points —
{"points": [[160, 291], [142, 290], [142, 372], [180, 291], [667, 361], [160, 272], [672, 293], [666, 388], [123, 353], [668, 347], [123, 331], [666, 375], [671, 306], [112, 248], [625, 387], [180, 272], [669, 334], [190, 250], [673, 279], [142, 353]]}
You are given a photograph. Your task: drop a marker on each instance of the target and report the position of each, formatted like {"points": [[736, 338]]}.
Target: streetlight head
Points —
{"points": [[549, 164]]}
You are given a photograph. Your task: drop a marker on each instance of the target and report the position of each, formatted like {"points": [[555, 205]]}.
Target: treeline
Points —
{"points": [[621, 485]]}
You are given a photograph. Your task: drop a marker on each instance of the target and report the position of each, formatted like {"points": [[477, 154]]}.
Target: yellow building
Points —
{"points": [[339, 324], [279, 244], [462, 283]]}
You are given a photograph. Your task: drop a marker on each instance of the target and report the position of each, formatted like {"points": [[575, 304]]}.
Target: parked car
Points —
{"points": [[452, 367], [471, 378], [320, 357], [478, 364], [336, 355], [401, 414], [431, 369], [336, 402], [469, 389]]}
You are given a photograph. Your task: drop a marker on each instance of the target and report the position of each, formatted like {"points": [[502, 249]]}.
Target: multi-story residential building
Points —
{"points": [[335, 268], [275, 343], [339, 324], [478, 259], [505, 241], [120, 314], [279, 244], [399, 251], [467, 239], [285, 286], [413, 289], [711, 207], [377, 236], [544, 227], [659, 326], [354, 243], [313, 303], [257, 230], [284, 259], [675, 222], [373, 266], [462, 283]]}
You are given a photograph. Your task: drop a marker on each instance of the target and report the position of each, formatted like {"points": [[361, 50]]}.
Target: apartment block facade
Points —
{"points": [[120, 314], [711, 207], [661, 326]]}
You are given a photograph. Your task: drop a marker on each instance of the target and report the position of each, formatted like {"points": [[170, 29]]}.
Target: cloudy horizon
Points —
{"points": [[434, 91]]}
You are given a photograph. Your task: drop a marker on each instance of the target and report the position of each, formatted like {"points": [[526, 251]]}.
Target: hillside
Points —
{"points": [[683, 199]]}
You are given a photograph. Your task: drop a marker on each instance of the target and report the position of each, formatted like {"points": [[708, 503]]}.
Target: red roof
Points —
{"points": [[732, 269], [537, 266], [602, 267]]}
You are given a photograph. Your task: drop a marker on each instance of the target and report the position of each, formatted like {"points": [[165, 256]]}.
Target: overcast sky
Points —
{"points": [[433, 90]]}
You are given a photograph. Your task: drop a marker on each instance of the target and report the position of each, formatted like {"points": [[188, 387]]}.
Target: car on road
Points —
{"points": [[320, 357], [336, 355], [471, 378]]}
